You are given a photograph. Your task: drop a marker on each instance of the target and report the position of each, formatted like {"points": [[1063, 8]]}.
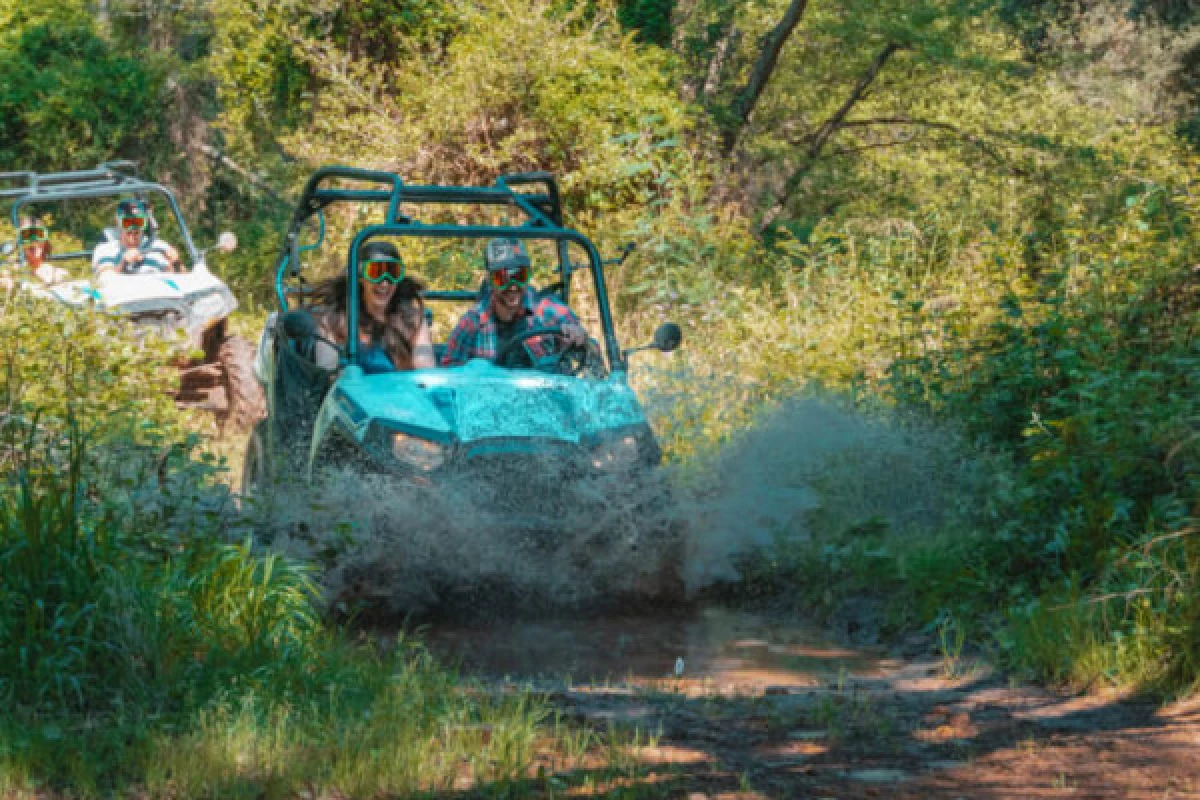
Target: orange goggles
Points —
{"points": [[516, 276], [35, 233], [380, 271], [133, 223]]}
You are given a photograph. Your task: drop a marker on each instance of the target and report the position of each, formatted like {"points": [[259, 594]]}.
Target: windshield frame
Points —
{"points": [[59, 187], [563, 237]]}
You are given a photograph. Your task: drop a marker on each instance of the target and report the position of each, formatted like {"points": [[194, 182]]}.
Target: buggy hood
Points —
{"points": [[480, 401], [195, 299]]}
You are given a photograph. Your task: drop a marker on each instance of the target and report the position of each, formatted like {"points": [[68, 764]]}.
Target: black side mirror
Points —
{"points": [[626, 251], [668, 337]]}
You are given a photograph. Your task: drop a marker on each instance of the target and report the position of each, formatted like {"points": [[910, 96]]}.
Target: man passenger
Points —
{"points": [[133, 251]]}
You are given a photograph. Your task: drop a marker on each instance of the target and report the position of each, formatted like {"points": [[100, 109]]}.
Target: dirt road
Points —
{"points": [[748, 706]]}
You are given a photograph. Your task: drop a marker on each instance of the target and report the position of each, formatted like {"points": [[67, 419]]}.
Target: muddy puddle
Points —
{"points": [[769, 707], [711, 649]]}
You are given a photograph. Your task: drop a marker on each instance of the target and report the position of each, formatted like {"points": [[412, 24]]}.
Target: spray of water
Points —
{"points": [[816, 467], [810, 466], [396, 548]]}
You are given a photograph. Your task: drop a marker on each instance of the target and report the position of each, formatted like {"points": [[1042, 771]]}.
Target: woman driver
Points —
{"points": [[393, 334]]}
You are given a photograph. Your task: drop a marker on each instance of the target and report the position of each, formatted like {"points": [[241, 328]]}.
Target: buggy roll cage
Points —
{"points": [[110, 179], [543, 222]]}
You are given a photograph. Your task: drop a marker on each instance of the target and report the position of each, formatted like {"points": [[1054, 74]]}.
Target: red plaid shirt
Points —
{"points": [[475, 334]]}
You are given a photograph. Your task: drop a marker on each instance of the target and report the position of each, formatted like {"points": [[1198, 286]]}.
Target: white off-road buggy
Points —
{"points": [[191, 304]]}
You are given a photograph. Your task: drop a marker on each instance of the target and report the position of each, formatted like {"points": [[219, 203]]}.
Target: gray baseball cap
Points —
{"points": [[505, 254]]}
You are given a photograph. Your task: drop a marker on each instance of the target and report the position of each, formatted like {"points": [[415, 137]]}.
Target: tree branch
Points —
{"points": [[827, 130], [837, 120], [225, 161], [764, 66], [970, 138]]}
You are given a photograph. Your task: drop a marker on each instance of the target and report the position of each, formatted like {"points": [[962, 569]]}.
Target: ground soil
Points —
{"points": [[745, 705]]}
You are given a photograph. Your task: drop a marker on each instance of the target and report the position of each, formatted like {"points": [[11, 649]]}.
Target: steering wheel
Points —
{"points": [[570, 360]]}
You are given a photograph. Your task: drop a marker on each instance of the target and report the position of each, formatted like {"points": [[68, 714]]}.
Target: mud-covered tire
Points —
{"points": [[246, 401]]}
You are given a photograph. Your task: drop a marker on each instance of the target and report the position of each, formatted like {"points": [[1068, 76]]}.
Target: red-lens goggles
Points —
{"points": [[516, 276], [33, 234], [133, 223], [380, 271]]}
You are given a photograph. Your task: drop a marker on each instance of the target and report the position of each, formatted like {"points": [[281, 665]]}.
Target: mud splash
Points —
{"points": [[396, 549], [813, 467]]}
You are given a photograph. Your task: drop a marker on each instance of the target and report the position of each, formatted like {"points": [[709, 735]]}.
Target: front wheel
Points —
{"points": [[246, 401]]}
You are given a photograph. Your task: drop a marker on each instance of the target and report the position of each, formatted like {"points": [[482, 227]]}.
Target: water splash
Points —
{"points": [[812, 466]]}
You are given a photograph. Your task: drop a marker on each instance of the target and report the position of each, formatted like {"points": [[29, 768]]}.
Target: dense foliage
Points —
{"points": [[141, 644], [983, 212], [69, 98]]}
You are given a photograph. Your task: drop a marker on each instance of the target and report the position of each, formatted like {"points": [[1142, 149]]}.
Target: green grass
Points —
{"points": [[148, 646]]}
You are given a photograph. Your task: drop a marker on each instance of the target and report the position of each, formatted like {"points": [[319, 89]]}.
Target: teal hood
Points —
{"points": [[481, 401]]}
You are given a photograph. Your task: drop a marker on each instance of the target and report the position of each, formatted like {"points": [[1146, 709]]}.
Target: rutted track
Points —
{"points": [[767, 707]]}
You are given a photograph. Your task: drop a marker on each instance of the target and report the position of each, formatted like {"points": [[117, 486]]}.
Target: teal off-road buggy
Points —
{"points": [[524, 433]]}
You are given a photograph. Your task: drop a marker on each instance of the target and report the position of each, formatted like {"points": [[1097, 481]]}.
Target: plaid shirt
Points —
{"points": [[475, 334]]}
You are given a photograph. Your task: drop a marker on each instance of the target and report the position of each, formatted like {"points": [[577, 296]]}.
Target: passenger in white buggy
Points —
{"points": [[134, 249]]}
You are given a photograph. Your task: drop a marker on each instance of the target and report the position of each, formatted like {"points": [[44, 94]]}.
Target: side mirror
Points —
{"points": [[227, 242], [625, 253], [668, 337]]}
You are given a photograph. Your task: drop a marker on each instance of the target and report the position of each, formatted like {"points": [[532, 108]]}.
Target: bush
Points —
{"points": [[67, 100], [141, 648]]}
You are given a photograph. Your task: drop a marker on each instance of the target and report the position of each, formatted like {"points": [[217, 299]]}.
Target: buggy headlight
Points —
{"points": [[420, 453], [209, 306], [616, 454]]}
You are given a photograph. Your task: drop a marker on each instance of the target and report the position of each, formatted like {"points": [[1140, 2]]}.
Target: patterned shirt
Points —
{"points": [[475, 334], [108, 255]]}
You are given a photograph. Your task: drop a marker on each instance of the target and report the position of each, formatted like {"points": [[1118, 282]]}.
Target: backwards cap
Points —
{"points": [[131, 208], [505, 254]]}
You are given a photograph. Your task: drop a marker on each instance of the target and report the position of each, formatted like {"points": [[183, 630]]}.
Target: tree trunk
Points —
{"points": [[764, 66], [716, 65]]}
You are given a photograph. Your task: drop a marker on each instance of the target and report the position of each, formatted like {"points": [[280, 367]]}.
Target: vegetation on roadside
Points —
{"points": [[142, 649], [978, 214]]}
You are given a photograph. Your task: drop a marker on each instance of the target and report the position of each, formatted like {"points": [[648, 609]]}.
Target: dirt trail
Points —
{"points": [[767, 708]]}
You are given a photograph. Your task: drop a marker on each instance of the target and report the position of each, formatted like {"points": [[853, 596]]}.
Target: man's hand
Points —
{"points": [[131, 260], [173, 262]]}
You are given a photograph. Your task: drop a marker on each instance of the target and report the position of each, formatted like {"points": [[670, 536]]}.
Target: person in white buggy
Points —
{"points": [[133, 248], [33, 239]]}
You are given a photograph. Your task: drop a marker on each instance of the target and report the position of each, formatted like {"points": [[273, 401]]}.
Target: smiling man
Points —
{"points": [[134, 251], [509, 310]]}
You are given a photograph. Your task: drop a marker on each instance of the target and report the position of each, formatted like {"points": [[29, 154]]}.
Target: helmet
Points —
{"points": [[505, 254], [379, 251], [131, 208]]}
